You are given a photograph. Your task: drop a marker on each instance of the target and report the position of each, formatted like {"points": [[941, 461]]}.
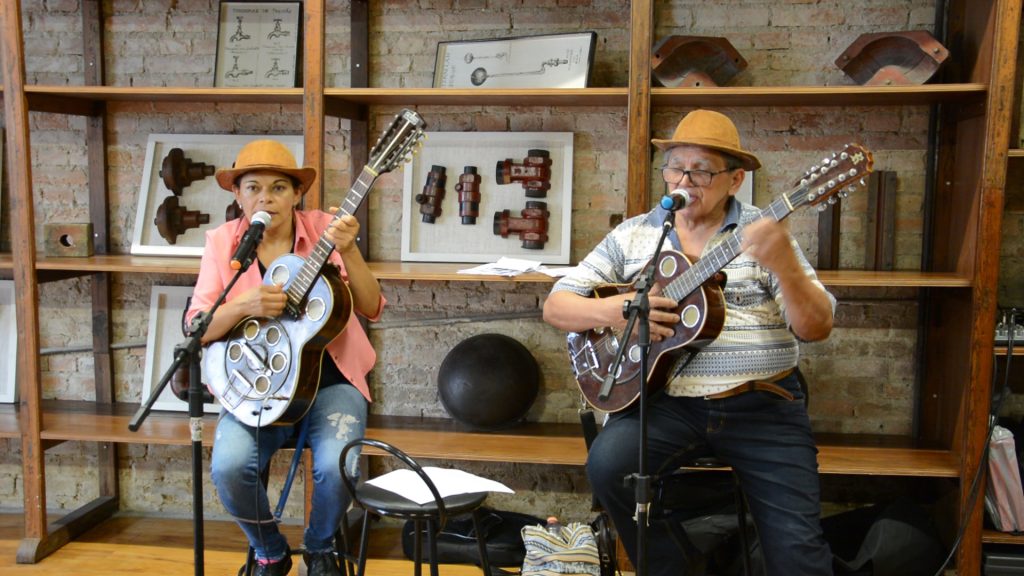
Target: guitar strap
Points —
{"points": [[682, 364]]}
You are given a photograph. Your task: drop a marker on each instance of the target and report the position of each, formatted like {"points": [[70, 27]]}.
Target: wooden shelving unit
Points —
{"points": [[973, 104]]}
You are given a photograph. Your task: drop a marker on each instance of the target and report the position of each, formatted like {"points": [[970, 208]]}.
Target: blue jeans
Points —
{"points": [[764, 437], [240, 452]]}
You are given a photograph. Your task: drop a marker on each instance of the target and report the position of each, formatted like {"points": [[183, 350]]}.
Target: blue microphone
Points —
{"points": [[675, 200]]}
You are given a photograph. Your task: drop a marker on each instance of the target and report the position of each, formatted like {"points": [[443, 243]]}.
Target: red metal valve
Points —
{"points": [[433, 194], [534, 173], [532, 228], [469, 195]]}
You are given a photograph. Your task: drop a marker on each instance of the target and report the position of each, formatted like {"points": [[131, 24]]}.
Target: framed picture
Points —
{"points": [[167, 305], [258, 45], [496, 156], [8, 344], [175, 211], [549, 61]]}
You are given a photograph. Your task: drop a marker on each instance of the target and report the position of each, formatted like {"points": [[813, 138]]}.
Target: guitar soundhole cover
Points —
{"points": [[668, 266], [261, 385], [316, 309], [279, 275], [634, 353], [690, 316], [278, 362], [252, 330]]}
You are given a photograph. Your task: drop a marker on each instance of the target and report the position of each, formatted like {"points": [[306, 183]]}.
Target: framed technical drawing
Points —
{"points": [[550, 61], [167, 305], [178, 199], [258, 44], [8, 343], [523, 185]]}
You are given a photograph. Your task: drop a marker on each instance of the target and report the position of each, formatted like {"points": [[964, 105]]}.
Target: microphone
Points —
{"points": [[246, 251], [675, 200]]}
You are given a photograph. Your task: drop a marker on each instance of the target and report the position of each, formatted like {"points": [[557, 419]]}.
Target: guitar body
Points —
{"points": [[701, 317], [267, 370]]}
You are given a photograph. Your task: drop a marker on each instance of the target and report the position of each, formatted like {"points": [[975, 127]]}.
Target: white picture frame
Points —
{"points": [[448, 239], [544, 61], [8, 344], [258, 45], [167, 305], [204, 195]]}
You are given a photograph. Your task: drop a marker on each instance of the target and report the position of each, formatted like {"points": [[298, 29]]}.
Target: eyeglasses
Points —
{"points": [[698, 177]]}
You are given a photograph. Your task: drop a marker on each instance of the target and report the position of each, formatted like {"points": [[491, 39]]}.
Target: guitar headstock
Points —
{"points": [[395, 144], [835, 176]]}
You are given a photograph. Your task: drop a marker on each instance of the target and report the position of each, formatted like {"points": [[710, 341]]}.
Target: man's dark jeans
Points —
{"points": [[764, 437]]}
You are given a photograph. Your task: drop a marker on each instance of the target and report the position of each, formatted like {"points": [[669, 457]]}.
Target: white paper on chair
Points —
{"points": [[448, 482]]}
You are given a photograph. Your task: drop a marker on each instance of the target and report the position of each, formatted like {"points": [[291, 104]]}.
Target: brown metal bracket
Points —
{"points": [[693, 61], [178, 171], [173, 220], [892, 58]]}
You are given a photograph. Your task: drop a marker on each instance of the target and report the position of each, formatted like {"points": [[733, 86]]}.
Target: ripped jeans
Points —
{"points": [[239, 453]]}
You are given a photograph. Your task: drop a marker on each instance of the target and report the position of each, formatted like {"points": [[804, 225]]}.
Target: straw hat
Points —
{"points": [[710, 130], [265, 155]]}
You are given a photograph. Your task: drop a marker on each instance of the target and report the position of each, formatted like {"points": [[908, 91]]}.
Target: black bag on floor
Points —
{"points": [[456, 543]]}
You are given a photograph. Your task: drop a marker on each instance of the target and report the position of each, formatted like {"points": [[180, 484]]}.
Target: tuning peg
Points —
{"points": [[821, 190], [832, 200], [822, 207], [844, 194], [811, 197], [852, 188], [844, 155], [862, 182], [831, 183], [852, 172]]}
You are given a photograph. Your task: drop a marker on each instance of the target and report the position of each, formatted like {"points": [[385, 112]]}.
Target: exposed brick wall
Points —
{"points": [[862, 378]]}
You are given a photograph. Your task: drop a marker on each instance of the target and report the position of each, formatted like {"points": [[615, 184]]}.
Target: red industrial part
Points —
{"points": [[178, 171], [469, 195], [173, 220], [534, 173], [892, 58], [694, 61], [532, 228], [433, 194]]}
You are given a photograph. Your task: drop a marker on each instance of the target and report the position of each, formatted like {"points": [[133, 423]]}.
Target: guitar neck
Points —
{"points": [[711, 263], [310, 270]]}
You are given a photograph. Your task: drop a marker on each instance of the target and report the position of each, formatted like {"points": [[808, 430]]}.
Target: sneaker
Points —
{"points": [[321, 564], [279, 568]]}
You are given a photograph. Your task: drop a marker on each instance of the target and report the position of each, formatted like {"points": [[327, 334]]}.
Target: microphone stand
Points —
{"points": [[189, 350], [638, 310]]}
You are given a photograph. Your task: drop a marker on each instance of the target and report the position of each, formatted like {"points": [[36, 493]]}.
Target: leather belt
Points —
{"points": [[765, 385]]}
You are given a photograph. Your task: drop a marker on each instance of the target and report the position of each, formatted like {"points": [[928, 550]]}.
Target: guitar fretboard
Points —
{"points": [[310, 270], [702, 270]]}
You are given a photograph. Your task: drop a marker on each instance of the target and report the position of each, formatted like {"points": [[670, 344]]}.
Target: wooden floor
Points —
{"points": [[133, 545]]}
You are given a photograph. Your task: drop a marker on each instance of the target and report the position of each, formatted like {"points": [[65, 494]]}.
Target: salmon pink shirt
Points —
{"points": [[351, 350]]}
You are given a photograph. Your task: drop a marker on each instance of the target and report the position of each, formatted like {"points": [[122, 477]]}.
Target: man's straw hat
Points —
{"points": [[710, 130]]}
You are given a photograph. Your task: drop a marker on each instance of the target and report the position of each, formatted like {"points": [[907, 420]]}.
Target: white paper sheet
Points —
{"points": [[506, 266], [448, 482]]}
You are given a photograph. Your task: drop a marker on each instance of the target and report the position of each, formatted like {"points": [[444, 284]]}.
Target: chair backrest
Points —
{"points": [[350, 482]]}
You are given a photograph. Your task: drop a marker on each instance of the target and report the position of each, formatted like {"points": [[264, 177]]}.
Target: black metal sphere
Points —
{"points": [[488, 381]]}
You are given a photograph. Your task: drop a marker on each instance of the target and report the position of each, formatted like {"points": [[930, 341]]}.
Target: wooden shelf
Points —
{"points": [[997, 537], [718, 96], [443, 439], [447, 272], [81, 99]]}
